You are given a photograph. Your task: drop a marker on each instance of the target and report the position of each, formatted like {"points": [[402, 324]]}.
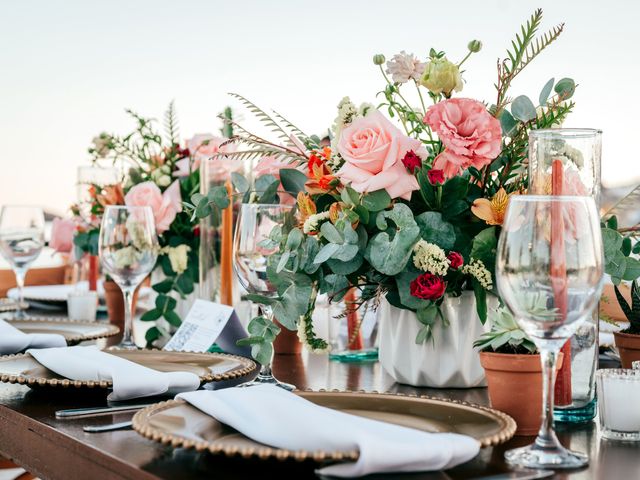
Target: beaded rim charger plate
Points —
{"points": [[210, 367], [73, 331], [179, 424]]}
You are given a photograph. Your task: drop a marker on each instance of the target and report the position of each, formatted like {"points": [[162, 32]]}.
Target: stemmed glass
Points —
{"points": [[549, 273], [251, 251], [128, 249], [21, 241]]}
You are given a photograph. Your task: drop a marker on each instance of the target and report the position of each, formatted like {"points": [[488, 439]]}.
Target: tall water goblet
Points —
{"points": [[251, 253], [128, 249], [21, 241], [549, 273]]}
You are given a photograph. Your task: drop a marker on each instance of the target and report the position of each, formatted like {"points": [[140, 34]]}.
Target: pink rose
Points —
{"points": [[203, 147], [470, 134], [62, 231], [165, 206], [373, 149]]}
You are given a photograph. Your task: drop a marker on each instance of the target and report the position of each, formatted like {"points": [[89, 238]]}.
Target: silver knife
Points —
{"points": [[107, 428], [87, 412], [519, 475]]}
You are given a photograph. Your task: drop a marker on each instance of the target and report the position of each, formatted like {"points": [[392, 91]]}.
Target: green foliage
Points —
{"points": [[505, 335], [631, 311], [618, 250]]}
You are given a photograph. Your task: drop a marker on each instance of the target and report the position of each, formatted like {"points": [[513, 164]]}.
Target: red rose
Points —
{"points": [[436, 177], [411, 161], [455, 260], [428, 287]]}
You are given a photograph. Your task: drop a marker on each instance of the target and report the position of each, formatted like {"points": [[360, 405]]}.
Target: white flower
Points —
{"points": [[178, 257], [404, 66], [312, 224], [160, 177], [101, 145], [164, 181], [125, 257], [429, 257], [477, 270]]}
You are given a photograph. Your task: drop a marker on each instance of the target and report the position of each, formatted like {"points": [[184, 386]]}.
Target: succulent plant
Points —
{"points": [[632, 312], [505, 335]]}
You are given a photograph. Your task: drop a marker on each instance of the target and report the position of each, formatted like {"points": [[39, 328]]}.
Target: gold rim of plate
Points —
{"points": [[109, 330], [244, 366], [143, 423], [10, 305]]}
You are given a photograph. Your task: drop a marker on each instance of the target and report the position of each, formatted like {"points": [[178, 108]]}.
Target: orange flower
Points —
{"points": [[111, 195], [305, 206], [492, 211]]}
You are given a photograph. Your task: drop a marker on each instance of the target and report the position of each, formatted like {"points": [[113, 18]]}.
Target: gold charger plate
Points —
{"points": [[73, 331], [179, 424], [9, 305], [210, 367]]}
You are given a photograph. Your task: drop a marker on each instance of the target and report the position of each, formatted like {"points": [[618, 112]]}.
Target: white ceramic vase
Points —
{"points": [[449, 361]]}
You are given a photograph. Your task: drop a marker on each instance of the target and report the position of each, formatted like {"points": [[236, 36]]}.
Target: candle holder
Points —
{"points": [[82, 305], [618, 398]]}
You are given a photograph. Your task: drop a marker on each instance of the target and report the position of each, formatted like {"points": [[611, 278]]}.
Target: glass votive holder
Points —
{"points": [[82, 305], [618, 400], [635, 364]]}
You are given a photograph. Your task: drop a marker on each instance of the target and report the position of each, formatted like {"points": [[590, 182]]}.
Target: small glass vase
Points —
{"points": [[567, 161]]}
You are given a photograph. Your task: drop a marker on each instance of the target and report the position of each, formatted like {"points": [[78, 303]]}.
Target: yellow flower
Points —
{"points": [[492, 211], [442, 76], [305, 206]]}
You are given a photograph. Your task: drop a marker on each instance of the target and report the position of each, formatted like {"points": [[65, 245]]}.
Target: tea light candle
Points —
{"points": [[618, 400], [82, 305]]}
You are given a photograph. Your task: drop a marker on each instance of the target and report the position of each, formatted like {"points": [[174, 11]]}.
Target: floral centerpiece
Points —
{"points": [[406, 204], [160, 173]]}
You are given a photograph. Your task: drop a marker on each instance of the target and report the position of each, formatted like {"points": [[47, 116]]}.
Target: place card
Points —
{"points": [[208, 323]]}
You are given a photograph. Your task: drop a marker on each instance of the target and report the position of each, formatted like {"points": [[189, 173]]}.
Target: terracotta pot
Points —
{"points": [[287, 342], [115, 303], [515, 387], [628, 345]]}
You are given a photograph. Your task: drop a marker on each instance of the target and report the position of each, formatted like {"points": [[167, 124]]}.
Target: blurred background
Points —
{"points": [[71, 68]]}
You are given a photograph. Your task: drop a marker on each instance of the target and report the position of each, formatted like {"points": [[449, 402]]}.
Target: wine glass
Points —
{"points": [[549, 273], [251, 251], [21, 241], [128, 249]]}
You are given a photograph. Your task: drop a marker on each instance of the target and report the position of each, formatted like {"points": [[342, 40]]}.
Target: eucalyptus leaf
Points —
{"points": [[326, 252], [292, 180], [508, 123], [331, 233], [240, 183], [376, 201], [523, 108], [565, 88], [546, 91], [434, 229]]}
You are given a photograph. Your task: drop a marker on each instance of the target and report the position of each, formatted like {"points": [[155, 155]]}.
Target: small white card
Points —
{"points": [[206, 324]]}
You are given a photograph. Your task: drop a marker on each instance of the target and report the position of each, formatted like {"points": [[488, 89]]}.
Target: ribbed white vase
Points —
{"points": [[449, 361]]}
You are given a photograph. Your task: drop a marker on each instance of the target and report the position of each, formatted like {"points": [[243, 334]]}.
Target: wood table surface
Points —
{"points": [[52, 448]]}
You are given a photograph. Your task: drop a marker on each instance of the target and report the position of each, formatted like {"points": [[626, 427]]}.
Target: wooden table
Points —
{"points": [[59, 449]]}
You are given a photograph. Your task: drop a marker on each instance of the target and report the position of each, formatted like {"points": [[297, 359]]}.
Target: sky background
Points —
{"points": [[70, 68]]}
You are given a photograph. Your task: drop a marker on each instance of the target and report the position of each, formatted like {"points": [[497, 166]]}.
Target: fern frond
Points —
{"points": [[290, 125], [554, 115], [521, 43], [257, 153], [628, 203], [171, 124], [264, 117], [535, 48]]}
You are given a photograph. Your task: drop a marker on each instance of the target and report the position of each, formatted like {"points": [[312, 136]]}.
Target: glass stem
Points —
{"points": [[546, 436], [20, 273], [265, 370], [127, 335]]}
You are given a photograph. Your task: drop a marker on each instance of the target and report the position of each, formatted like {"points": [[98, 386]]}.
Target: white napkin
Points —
{"points": [[275, 417], [13, 340], [130, 380]]}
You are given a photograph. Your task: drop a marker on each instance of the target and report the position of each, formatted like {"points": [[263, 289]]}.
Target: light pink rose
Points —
{"points": [[372, 148], [220, 168], [470, 134], [165, 206], [62, 230]]}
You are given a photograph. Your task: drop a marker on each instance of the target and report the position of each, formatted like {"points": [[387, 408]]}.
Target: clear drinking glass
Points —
{"points": [[549, 273], [567, 161], [250, 260], [128, 252], [21, 241]]}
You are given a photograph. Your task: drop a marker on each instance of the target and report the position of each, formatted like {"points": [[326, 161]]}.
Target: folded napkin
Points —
{"points": [[130, 380], [281, 419], [13, 340]]}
